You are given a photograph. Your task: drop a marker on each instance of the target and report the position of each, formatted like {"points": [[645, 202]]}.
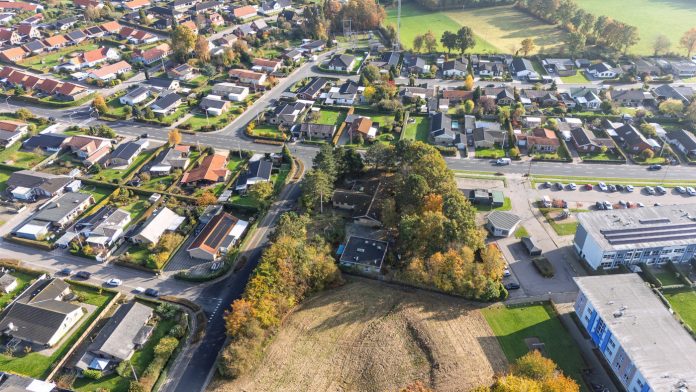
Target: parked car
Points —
{"points": [[83, 275], [602, 186], [608, 205], [589, 187], [600, 205], [114, 282], [572, 186], [611, 188], [654, 167], [660, 190], [558, 185], [65, 272], [546, 184], [649, 190], [152, 293], [620, 187], [639, 204], [629, 188], [623, 203], [691, 191], [512, 286], [681, 190], [139, 290]]}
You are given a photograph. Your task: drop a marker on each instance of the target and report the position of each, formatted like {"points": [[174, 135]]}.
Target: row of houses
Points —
{"points": [[60, 90]]}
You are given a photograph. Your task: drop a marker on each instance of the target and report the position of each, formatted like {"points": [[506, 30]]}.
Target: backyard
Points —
{"points": [[417, 130], [331, 117], [267, 131], [567, 227], [516, 326], [489, 153], [24, 159], [684, 303], [46, 62], [503, 27], [23, 281], [4, 176]]}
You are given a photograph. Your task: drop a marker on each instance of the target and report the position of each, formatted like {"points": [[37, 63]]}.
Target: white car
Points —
{"points": [[691, 191], [681, 189], [114, 282], [602, 186], [139, 290], [506, 272], [629, 188], [572, 186]]}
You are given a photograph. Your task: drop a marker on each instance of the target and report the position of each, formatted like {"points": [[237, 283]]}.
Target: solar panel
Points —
{"points": [[220, 231], [686, 236], [650, 233], [650, 228]]}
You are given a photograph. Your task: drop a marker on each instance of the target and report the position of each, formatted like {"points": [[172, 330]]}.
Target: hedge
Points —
{"points": [[34, 244], [544, 266]]}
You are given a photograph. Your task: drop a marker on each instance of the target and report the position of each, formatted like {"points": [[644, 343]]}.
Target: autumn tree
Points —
{"points": [[364, 14], [174, 137], [533, 372], [430, 42], [647, 154], [261, 192], [575, 42], [671, 107], [92, 13], [417, 43], [691, 112], [206, 198], [182, 42], [527, 46], [469, 82], [100, 104], [202, 49], [688, 41], [661, 44]]}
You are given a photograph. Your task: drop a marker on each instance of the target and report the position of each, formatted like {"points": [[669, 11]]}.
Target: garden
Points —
{"points": [[418, 130]]}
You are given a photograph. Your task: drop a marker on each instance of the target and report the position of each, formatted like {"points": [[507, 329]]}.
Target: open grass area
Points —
{"points": [[4, 176], [666, 277], [513, 325], [158, 183], [23, 281], [24, 159], [267, 131], [489, 153], [560, 227], [601, 156], [652, 17], [199, 120], [99, 193], [331, 117], [234, 162], [507, 206], [579, 78], [37, 365], [417, 130], [684, 303], [136, 208], [117, 174], [46, 62], [496, 29]]}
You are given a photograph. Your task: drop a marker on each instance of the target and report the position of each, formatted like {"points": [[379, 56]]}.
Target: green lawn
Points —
{"points": [[268, 131], [109, 175], [513, 325], [24, 159], [234, 163], [666, 277], [278, 179], [136, 208], [199, 120], [601, 156], [37, 365], [489, 153], [99, 193], [560, 228], [331, 117], [496, 29], [579, 78], [23, 281], [158, 183], [521, 232], [507, 206], [116, 108], [46, 62], [4, 176], [652, 17], [684, 303], [417, 130]]}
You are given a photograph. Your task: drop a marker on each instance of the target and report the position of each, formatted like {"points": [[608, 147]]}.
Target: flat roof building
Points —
{"points": [[606, 239], [364, 253], [644, 345]]}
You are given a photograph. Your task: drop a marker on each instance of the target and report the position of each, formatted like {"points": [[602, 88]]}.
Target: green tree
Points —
{"points": [[465, 39], [418, 41], [261, 192], [23, 114], [326, 161], [449, 41], [575, 42], [671, 107], [317, 189], [182, 42]]}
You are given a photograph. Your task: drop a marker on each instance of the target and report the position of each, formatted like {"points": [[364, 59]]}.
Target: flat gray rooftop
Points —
{"points": [[641, 227], [656, 343]]}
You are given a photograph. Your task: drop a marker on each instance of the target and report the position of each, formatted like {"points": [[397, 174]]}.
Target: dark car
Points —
{"points": [[83, 274], [612, 188], [144, 136], [512, 286], [65, 272], [654, 167], [52, 119], [558, 186], [547, 184], [152, 293]]}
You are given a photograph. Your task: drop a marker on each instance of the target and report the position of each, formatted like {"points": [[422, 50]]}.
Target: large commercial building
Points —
{"points": [[642, 342], [651, 235]]}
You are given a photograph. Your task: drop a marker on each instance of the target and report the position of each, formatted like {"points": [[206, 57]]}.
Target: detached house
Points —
{"points": [[287, 113], [541, 140], [258, 171], [586, 98], [29, 184], [111, 71], [182, 72], [454, 68], [89, 149], [244, 13], [217, 237], [135, 96], [264, 65], [341, 62], [603, 71], [485, 137], [349, 93], [632, 98], [11, 132], [173, 158], [9, 37], [311, 90], [523, 68], [166, 104], [108, 230], [272, 7], [152, 55], [214, 105], [248, 77], [633, 140], [361, 126], [684, 141], [585, 141], [12, 55], [162, 221], [212, 169], [317, 131], [441, 129], [231, 91], [125, 153]]}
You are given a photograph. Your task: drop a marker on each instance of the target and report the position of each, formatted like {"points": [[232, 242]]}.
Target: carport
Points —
{"points": [[531, 247]]}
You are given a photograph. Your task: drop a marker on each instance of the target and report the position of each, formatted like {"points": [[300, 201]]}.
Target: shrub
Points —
{"points": [[124, 369], [166, 310], [544, 266], [92, 374], [178, 331]]}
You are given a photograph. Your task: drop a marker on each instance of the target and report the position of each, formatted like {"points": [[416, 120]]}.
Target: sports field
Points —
{"points": [[497, 29], [652, 17]]}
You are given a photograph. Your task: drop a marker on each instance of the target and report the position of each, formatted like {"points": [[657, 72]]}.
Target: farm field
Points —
{"points": [[497, 29], [367, 336], [652, 17]]}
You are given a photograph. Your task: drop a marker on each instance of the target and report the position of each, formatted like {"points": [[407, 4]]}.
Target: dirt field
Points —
{"points": [[367, 336]]}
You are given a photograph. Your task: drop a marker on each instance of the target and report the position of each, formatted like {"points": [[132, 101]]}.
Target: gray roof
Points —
{"points": [[75, 35], [6, 280], [667, 91], [50, 183], [685, 138], [167, 101], [111, 224], [635, 228], [631, 135], [15, 383], [138, 91], [211, 103], [364, 251], [126, 150], [503, 220], [313, 87], [520, 64], [317, 128], [441, 122], [61, 207], [257, 169], [341, 60], [118, 337], [454, 65], [34, 45], [659, 347], [495, 136]]}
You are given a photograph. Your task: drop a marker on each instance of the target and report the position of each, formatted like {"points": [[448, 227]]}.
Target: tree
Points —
{"points": [[465, 39], [317, 188], [534, 365], [261, 192], [575, 42], [206, 198], [202, 49], [174, 137], [326, 162], [647, 154], [469, 106], [671, 107], [688, 41], [469, 82], [92, 13], [182, 42], [364, 15], [449, 40], [418, 43], [430, 42], [100, 104], [661, 44], [380, 155], [371, 73], [24, 114], [648, 130], [527, 46]]}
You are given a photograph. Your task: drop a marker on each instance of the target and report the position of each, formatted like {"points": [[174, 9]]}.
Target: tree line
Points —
{"points": [[444, 4]]}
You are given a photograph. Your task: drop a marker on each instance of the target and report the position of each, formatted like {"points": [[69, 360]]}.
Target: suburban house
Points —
{"points": [[287, 113], [485, 197], [170, 159], [364, 254], [632, 98], [259, 25], [293, 55], [217, 237], [413, 93], [503, 96], [8, 283], [102, 234], [485, 137], [48, 142], [11, 132], [55, 42], [134, 5], [541, 98], [454, 68], [683, 140], [34, 47], [212, 169], [244, 13], [501, 223], [166, 104], [311, 90], [248, 77], [416, 65], [135, 96], [125, 331], [125, 153], [387, 61], [152, 55], [89, 59], [231, 91], [258, 171], [272, 7], [457, 96], [585, 141], [586, 98], [317, 131], [30, 184], [13, 55], [163, 84], [70, 92], [182, 72], [75, 37], [668, 91], [683, 68], [348, 93], [265, 65], [633, 140], [603, 71], [89, 149], [9, 37], [41, 315], [244, 30], [111, 71], [522, 68], [540, 140], [362, 200], [441, 129], [160, 222], [312, 46], [214, 105], [361, 126], [341, 62], [560, 67], [55, 214]]}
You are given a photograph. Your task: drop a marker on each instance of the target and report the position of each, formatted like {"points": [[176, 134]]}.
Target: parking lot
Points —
{"points": [[588, 197]]}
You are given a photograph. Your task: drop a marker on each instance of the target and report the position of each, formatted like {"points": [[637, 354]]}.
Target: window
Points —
{"points": [[612, 343], [599, 329]]}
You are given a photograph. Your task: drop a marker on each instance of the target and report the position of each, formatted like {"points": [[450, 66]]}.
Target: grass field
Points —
{"points": [[507, 206], [46, 62], [4, 176], [417, 130], [497, 29], [666, 277], [652, 17], [684, 303], [366, 336], [331, 117], [25, 159], [23, 281], [513, 325]]}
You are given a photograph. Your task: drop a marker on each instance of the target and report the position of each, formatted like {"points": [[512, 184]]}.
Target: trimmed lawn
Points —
{"points": [[199, 120], [496, 29], [116, 108], [158, 183], [417, 130], [489, 153], [23, 281], [234, 163], [684, 303], [601, 156], [579, 78], [37, 365], [560, 228], [521, 232], [109, 175], [507, 206], [4, 176], [666, 277], [267, 131], [46, 62], [331, 117], [216, 189], [136, 209], [99, 193], [24, 159], [513, 325], [676, 17], [378, 117], [278, 179]]}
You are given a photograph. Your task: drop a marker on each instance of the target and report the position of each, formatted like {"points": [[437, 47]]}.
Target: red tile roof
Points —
{"points": [[214, 233], [244, 11], [212, 168]]}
